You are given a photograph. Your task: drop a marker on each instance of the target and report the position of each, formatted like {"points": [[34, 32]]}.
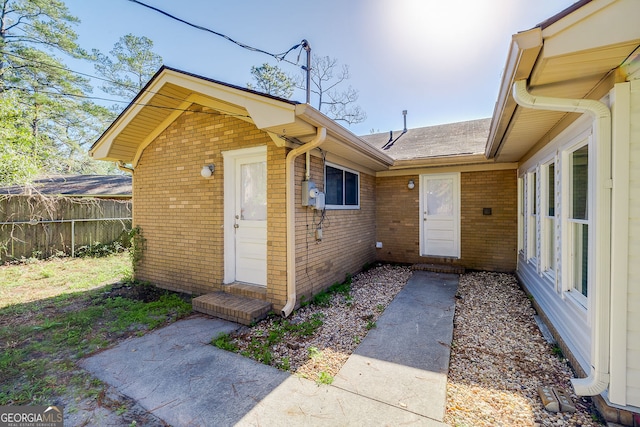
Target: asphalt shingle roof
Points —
{"points": [[435, 141], [77, 185]]}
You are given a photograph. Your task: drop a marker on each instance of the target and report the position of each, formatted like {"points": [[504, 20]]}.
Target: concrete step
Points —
{"points": [[236, 308], [439, 268], [246, 290]]}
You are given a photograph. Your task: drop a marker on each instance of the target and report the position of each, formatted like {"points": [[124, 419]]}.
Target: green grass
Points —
{"points": [[21, 283], [225, 342], [324, 378], [259, 348], [323, 299], [41, 339]]}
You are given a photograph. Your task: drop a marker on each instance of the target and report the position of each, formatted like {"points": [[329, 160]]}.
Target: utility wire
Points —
{"points": [[91, 76], [163, 107], [277, 56], [94, 77]]}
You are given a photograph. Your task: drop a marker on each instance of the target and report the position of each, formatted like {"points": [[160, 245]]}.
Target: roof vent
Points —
{"points": [[392, 141]]}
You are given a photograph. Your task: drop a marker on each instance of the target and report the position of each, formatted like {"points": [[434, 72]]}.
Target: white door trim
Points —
{"points": [[456, 213], [229, 161]]}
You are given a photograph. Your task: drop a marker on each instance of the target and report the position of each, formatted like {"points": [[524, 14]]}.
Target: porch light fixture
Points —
{"points": [[411, 185], [207, 171]]}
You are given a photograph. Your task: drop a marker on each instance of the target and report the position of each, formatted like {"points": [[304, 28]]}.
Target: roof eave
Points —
{"points": [[342, 135], [449, 160], [264, 110], [523, 52]]}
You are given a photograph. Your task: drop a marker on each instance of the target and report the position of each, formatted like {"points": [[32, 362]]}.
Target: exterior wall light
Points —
{"points": [[411, 185], [207, 171]]}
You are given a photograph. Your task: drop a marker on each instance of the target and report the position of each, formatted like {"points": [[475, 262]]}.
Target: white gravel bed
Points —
{"points": [[499, 359], [345, 322], [498, 355]]}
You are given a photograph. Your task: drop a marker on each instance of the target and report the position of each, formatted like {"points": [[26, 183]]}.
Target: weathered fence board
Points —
{"points": [[42, 226]]}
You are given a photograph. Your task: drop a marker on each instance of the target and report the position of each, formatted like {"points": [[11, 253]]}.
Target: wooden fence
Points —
{"points": [[41, 226]]}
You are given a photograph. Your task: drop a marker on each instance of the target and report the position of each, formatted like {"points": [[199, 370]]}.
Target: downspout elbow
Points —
{"points": [[124, 168], [321, 135], [598, 379], [596, 383]]}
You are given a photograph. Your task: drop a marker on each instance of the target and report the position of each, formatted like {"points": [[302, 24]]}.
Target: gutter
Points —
{"points": [[321, 135], [124, 168], [338, 132], [523, 53], [598, 379]]}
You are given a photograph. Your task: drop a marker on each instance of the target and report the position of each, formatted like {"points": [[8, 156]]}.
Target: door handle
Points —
{"points": [[236, 225]]}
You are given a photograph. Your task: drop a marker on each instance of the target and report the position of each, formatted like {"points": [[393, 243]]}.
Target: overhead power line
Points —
{"points": [[161, 107], [277, 56], [46, 64]]}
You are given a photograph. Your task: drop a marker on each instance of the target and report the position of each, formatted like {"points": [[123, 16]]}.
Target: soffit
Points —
{"points": [[170, 94], [575, 62], [157, 109]]}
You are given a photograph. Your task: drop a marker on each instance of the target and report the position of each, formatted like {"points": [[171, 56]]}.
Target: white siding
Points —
{"points": [[562, 312], [633, 324], [572, 321]]}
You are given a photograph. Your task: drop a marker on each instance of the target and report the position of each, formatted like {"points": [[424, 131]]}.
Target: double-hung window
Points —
{"points": [[521, 218], [578, 222], [342, 187], [532, 211], [549, 219]]}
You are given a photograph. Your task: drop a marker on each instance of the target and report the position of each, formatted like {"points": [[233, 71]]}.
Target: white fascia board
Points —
{"points": [[596, 25], [523, 53], [100, 150], [339, 133]]}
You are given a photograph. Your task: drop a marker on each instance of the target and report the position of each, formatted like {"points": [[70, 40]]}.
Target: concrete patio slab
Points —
{"points": [[300, 402], [176, 374], [397, 376]]}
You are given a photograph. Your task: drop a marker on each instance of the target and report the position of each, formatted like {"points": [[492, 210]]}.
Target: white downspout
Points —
{"points": [[124, 168], [598, 379], [321, 134]]}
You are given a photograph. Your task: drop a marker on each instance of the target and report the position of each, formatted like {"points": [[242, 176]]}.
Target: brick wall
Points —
{"points": [[276, 226], [348, 241], [488, 242], [181, 213]]}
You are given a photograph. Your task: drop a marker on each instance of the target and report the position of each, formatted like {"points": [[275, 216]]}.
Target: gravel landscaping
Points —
{"points": [[499, 359], [498, 355], [317, 339]]}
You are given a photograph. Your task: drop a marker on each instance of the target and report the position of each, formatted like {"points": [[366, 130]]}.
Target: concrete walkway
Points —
{"points": [[396, 376]]}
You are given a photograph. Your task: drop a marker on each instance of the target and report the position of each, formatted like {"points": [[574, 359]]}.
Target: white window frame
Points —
{"points": [[521, 215], [344, 169], [532, 215], [568, 222], [548, 221]]}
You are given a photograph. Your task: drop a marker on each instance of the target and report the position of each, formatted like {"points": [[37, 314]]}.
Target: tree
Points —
{"points": [[41, 95], [272, 80], [130, 67], [335, 103], [17, 162], [29, 26]]}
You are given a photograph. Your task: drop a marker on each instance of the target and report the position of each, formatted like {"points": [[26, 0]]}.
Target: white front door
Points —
{"points": [[440, 215], [246, 217]]}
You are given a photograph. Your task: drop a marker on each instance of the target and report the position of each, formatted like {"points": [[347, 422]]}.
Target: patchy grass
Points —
{"points": [[35, 279], [41, 338]]}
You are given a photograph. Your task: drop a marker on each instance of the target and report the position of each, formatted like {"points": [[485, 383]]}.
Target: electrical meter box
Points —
{"points": [[309, 192]]}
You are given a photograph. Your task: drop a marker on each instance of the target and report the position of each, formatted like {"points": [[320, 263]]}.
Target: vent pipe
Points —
{"points": [[392, 141]]}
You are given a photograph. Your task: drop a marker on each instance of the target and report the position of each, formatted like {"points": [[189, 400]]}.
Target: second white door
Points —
{"points": [[440, 211]]}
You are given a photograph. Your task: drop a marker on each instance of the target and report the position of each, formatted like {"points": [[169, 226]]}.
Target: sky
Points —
{"points": [[441, 60]]}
